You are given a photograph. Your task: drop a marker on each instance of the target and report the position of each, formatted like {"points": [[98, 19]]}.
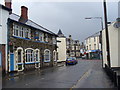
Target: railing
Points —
{"points": [[115, 78]]}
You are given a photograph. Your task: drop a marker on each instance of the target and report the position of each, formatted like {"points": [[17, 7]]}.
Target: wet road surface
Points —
{"points": [[85, 74]]}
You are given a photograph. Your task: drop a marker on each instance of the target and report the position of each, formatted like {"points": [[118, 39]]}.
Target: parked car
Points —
{"points": [[71, 61]]}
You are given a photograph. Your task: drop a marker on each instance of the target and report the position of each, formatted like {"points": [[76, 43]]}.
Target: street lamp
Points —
{"points": [[96, 18], [99, 31]]}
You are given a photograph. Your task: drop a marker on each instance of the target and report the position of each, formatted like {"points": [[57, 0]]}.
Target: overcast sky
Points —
{"points": [[67, 16]]}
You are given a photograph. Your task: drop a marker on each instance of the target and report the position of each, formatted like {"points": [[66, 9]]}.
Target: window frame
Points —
{"points": [[49, 59]]}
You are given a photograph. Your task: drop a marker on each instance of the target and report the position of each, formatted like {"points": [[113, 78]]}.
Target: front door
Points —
{"points": [[11, 62]]}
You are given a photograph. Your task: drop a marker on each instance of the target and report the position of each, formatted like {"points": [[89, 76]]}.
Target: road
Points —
{"points": [[85, 74]]}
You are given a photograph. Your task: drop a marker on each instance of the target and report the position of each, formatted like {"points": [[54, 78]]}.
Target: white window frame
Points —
{"points": [[54, 40], [16, 57], [26, 61], [46, 37], [55, 55], [15, 28], [49, 55], [28, 31], [38, 55], [41, 37], [37, 65]]}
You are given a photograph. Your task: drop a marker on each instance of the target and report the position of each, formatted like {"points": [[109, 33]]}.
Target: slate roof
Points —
{"points": [[16, 18], [60, 34]]}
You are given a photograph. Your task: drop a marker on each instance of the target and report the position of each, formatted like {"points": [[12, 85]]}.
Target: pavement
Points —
{"points": [[85, 74]]}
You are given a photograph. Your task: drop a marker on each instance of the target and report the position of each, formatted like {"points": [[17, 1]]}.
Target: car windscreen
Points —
{"points": [[71, 58]]}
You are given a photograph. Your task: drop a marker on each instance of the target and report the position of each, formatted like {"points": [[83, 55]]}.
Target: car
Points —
{"points": [[71, 61]]}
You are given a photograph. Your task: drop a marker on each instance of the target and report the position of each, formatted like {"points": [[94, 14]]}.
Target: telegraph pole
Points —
{"points": [[107, 34]]}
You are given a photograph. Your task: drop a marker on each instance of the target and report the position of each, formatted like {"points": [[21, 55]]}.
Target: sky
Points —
{"points": [[67, 15]]}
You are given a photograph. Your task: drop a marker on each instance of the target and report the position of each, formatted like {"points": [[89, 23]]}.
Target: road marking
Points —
{"points": [[83, 76]]}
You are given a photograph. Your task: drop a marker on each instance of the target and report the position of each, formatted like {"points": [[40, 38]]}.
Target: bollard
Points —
{"points": [[115, 79], [118, 82]]}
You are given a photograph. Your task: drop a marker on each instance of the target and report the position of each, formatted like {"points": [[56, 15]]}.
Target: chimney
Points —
{"points": [[24, 12], [8, 3]]}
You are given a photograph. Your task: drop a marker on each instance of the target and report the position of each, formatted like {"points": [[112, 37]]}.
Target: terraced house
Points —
{"points": [[30, 45]]}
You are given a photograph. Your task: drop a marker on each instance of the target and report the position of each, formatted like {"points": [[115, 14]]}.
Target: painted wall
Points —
{"points": [[4, 14], [114, 44], [0, 58], [61, 49], [119, 46], [3, 25], [90, 41]]}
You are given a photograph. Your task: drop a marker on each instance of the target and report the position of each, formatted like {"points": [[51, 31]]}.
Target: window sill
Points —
{"points": [[47, 61]]}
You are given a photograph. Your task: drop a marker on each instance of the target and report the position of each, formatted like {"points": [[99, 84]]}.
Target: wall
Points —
{"points": [[3, 28], [113, 43], [61, 49], [104, 48], [4, 14], [119, 46], [92, 42]]}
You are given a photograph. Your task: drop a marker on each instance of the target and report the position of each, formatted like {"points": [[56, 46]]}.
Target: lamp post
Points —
{"points": [[99, 31], [97, 18]]}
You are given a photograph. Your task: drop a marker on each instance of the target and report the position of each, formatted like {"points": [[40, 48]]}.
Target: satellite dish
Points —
{"points": [[117, 23]]}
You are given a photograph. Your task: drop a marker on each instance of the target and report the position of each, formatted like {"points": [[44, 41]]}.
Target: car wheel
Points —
{"points": [[66, 64]]}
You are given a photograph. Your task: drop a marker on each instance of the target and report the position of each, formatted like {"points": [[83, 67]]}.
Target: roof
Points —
{"points": [[16, 17], [94, 35], [60, 34], [5, 8]]}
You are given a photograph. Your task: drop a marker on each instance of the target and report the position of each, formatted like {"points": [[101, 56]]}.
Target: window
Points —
{"points": [[19, 56], [27, 32], [90, 47], [87, 47], [29, 55], [37, 55], [54, 40], [46, 37], [47, 55], [94, 46], [94, 39], [54, 55], [89, 40], [41, 36], [16, 30], [21, 32]]}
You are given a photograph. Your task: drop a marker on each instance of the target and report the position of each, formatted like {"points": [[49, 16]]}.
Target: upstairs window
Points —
{"points": [[46, 37], [94, 39], [54, 40], [27, 33], [20, 31], [41, 37], [16, 30]]}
